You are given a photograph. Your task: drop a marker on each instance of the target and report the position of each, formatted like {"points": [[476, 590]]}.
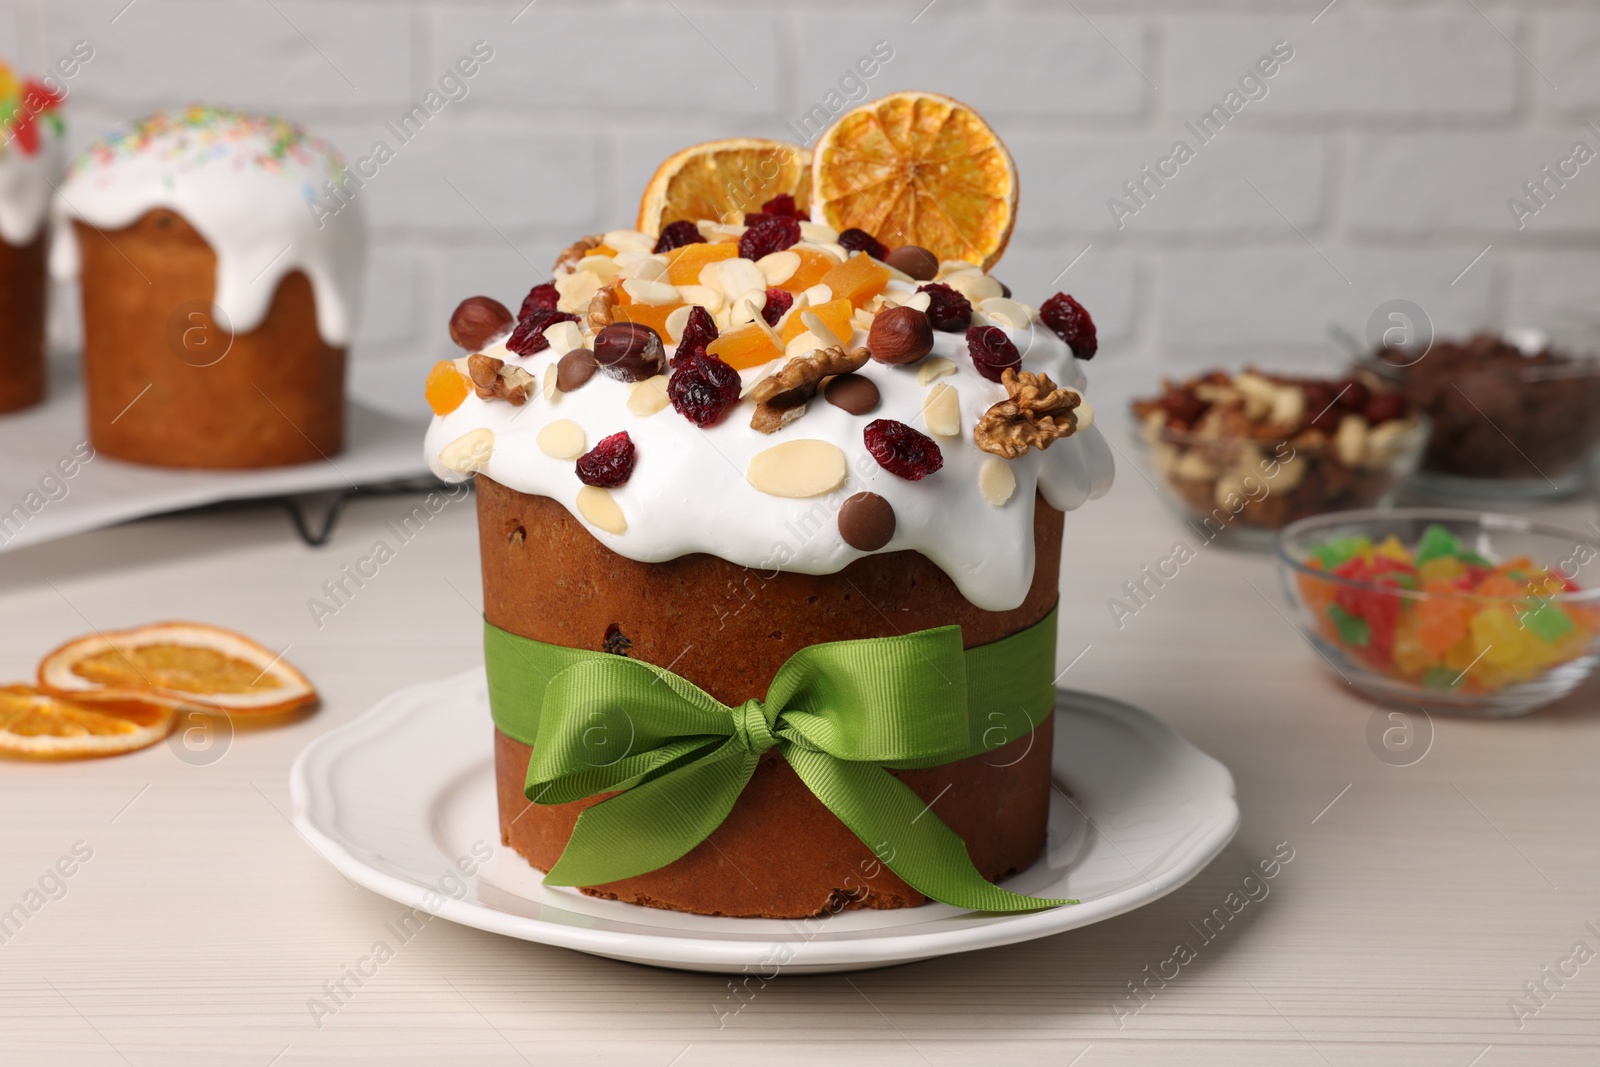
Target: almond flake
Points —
{"points": [[941, 411], [549, 387], [817, 295], [802, 468], [563, 439], [934, 367], [649, 396], [563, 337], [469, 452], [648, 292], [677, 321], [629, 241], [814, 323], [576, 290], [996, 481], [710, 299], [604, 267], [652, 269], [600, 509], [779, 267]]}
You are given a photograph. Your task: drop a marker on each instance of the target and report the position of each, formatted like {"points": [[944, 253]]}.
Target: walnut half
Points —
{"points": [[577, 250], [493, 380], [602, 307], [1037, 413], [782, 398]]}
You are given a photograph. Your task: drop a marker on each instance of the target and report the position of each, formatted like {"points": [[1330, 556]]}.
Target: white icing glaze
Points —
{"points": [[245, 183], [688, 492], [27, 183]]}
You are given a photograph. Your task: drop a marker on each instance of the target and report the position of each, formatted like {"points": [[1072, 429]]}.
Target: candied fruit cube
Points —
{"points": [[858, 279], [749, 346], [684, 264], [447, 387], [814, 266], [651, 315]]}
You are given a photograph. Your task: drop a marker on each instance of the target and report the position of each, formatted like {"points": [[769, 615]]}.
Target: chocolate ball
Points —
{"points": [[630, 351], [866, 521], [853, 393], [477, 321], [916, 261]]}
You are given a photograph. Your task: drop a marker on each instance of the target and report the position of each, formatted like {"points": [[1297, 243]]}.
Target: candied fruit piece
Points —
{"points": [[703, 388], [651, 315], [814, 266], [749, 346], [609, 463], [447, 387], [685, 264], [835, 314], [858, 279]]}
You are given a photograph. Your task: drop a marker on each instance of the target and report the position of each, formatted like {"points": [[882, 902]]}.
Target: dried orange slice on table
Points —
{"points": [[721, 180], [206, 666], [42, 725], [917, 169]]}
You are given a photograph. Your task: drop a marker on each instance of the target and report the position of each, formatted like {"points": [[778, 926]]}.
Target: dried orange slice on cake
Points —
{"points": [[43, 725], [721, 180], [917, 169], [204, 665]]}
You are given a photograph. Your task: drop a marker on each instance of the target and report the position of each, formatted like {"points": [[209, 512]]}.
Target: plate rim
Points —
{"points": [[1217, 827]]}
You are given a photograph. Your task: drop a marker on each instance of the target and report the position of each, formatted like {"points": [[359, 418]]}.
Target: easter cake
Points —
{"points": [[31, 160], [776, 424], [217, 304]]}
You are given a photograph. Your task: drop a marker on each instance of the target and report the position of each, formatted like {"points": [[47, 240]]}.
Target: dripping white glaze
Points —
{"points": [[244, 183], [688, 491], [27, 182]]}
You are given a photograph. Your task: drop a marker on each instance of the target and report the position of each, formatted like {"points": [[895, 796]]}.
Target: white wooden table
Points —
{"points": [[1419, 901]]}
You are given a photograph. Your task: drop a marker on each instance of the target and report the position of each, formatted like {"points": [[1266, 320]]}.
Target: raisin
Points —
{"points": [[902, 451], [1069, 321], [699, 331], [948, 310], [772, 234], [540, 298], [702, 389], [778, 301], [609, 463], [992, 351], [677, 234], [855, 240], [528, 337]]}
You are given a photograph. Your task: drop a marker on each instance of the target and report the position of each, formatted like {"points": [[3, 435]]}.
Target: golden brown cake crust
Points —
{"points": [[22, 313], [727, 628], [275, 398]]}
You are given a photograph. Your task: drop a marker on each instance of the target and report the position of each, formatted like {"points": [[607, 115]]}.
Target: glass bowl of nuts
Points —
{"points": [[1460, 612], [1243, 455], [1513, 418]]}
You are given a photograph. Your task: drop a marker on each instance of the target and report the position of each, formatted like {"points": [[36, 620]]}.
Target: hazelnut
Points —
{"points": [[900, 335], [630, 351], [915, 261], [479, 320]]}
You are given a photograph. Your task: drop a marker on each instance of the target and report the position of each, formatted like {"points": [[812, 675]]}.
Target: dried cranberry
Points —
{"points": [[1069, 321], [902, 451], [699, 331], [540, 298], [772, 234], [702, 389], [856, 240], [948, 310], [677, 234], [528, 337], [783, 204], [609, 463], [778, 301], [992, 351]]}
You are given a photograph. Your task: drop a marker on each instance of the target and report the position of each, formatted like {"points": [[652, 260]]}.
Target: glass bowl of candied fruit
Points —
{"points": [[1458, 612], [1243, 455]]}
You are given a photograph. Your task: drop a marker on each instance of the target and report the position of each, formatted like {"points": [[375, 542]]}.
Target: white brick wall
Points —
{"points": [[1376, 167]]}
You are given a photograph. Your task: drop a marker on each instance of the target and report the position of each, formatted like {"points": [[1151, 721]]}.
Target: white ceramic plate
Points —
{"points": [[402, 800]]}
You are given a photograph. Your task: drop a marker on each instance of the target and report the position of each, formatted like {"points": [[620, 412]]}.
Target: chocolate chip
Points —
{"points": [[574, 369], [630, 351], [914, 260], [853, 393], [866, 522]]}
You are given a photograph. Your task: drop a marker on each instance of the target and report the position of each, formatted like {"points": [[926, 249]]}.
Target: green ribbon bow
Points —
{"points": [[840, 713]]}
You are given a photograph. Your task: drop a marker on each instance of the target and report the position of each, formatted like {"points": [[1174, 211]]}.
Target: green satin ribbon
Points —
{"points": [[840, 713]]}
